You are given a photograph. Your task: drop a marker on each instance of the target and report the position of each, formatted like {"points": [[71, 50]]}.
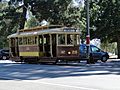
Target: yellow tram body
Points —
{"points": [[45, 44]]}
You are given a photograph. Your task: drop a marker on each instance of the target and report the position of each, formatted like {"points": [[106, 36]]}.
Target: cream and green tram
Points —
{"points": [[45, 44]]}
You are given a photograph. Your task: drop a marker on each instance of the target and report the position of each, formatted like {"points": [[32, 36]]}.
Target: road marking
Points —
{"points": [[69, 86], [61, 85]]}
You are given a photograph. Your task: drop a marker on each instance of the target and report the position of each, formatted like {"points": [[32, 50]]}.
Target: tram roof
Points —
{"points": [[40, 30]]}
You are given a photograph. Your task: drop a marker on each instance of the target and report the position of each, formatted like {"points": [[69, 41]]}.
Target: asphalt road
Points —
{"points": [[99, 76]]}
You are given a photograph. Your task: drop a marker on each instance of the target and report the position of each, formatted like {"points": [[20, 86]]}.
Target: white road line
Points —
{"points": [[68, 86]]}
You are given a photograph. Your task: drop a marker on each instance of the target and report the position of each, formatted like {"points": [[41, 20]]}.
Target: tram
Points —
{"points": [[45, 44]]}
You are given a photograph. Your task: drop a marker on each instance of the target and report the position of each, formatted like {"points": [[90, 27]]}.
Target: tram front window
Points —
{"points": [[61, 39], [69, 39], [77, 40]]}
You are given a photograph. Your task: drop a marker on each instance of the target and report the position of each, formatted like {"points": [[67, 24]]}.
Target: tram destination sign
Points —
{"points": [[69, 30]]}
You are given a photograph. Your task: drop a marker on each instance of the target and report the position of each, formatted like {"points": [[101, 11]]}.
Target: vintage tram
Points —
{"points": [[45, 44]]}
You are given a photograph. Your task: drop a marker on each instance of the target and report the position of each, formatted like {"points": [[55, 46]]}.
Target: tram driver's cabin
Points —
{"points": [[45, 44]]}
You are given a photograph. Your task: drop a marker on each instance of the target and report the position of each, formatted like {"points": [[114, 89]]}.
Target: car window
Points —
{"points": [[95, 49], [82, 48], [5, 51]]}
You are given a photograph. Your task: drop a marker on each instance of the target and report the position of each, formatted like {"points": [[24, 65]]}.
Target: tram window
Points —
{"points": [[20, 41], [30, 40], [78, 39], [35, 42], [75, 39], [48, 40], [69, 39], [40, 40], [45, 40], [24, 40], [61, 39]]}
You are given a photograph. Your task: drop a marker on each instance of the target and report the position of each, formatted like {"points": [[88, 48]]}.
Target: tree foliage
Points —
{"points": [[106, 19], [8, 22]]}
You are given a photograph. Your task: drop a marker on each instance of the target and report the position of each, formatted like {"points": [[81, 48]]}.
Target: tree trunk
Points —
{"points": [[23, 18], [118, 44]]}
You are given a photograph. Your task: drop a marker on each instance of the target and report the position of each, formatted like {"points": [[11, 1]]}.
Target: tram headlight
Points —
{"points": [[69, 52]]}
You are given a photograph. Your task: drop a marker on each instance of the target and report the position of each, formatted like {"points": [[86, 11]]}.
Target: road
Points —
{"points": [[99, 76]]}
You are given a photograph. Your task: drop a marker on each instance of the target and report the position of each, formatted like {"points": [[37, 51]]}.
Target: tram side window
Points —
{"points": [[78, 39], [40, 40], [24, 40], [30, 40], [35, 42], [20, 41], [41, 43], [48, 40], [45, 40], [70, 39], [61, 39], [27, 40]]}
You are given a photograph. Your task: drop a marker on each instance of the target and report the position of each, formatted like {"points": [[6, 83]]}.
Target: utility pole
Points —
{"points": [[88, 32]]}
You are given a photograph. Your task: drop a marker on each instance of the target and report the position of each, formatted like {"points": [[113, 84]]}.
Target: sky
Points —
{"points": [[77, 3]]}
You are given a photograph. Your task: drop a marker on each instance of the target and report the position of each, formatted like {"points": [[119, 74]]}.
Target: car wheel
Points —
{"points": [[4, 57], [104, 58]]}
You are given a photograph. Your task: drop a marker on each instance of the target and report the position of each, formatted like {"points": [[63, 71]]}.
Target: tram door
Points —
{"points": [[14, 47], [46, 41], [47, 45], [54, 45]]}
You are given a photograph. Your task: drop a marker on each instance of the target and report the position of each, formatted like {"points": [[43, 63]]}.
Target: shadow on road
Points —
{"points": [[16, 71]]}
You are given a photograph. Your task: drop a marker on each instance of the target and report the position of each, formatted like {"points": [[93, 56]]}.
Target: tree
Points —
{"points": [[24, 7], [8, 22], [106, 20]]}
